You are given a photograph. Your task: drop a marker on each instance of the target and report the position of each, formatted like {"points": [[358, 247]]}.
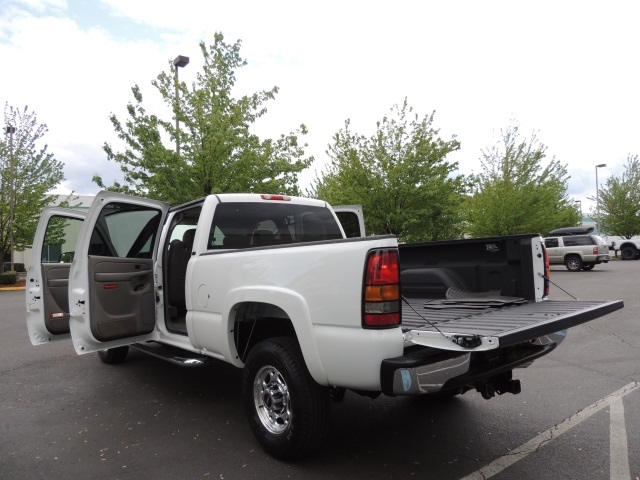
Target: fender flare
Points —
{"points": [[296, 308]]}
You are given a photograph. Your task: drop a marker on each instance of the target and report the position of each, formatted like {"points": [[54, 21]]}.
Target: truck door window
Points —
{"points": [[350, 223], [60, 239], [124, 230]]}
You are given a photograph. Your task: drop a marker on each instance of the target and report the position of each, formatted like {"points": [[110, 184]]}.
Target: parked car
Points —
{"points": [[576, 251]]}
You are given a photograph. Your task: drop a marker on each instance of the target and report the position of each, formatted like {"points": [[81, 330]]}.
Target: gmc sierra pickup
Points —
{"points": [[272, 285]]}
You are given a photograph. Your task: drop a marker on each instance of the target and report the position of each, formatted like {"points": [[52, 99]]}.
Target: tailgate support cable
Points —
{"points": [[556, 285]]}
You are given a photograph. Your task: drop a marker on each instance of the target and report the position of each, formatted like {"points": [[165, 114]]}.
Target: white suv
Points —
{"points": [[577, 252]]}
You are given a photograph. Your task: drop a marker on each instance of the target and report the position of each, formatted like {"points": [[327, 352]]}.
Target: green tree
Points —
{"points": [[218, 152], [519, 190], [27, 172], [400, 176], [620, 201]]}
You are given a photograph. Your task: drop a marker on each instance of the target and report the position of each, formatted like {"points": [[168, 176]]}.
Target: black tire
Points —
{"points": [[573, 263], [114, 355], [287, 410], [588, 266], [628, 253]]}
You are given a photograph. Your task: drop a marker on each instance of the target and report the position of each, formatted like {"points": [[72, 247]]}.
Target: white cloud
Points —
{"points": [[564, 69]]}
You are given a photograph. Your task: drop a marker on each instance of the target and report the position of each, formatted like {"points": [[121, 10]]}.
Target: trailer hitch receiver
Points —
{"points": [[500, 384]]}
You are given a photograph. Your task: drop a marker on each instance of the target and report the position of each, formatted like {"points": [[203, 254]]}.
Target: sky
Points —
{"points": [[564, 71]]}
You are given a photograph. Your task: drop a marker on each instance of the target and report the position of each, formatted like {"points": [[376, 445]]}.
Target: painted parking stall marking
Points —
{"points": [[618, 438]]}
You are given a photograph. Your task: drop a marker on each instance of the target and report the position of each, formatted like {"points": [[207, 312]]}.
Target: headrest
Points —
{"points": [[188, 237]]}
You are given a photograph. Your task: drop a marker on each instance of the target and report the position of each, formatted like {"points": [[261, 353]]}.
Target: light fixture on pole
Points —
{"points": [[598, 197], [179, 62], [11, 130], [579, 202]]}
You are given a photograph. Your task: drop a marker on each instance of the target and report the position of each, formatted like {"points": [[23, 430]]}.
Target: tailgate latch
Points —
{"points": [[467, 341]]}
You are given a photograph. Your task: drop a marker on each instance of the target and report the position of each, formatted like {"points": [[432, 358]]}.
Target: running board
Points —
{"points": [[173, 355]]}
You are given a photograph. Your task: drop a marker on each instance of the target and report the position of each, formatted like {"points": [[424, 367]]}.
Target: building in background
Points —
{"points": [[53, 252]]}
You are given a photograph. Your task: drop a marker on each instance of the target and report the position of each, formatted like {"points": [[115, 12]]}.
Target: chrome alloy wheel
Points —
{"points": [[271, 400]]}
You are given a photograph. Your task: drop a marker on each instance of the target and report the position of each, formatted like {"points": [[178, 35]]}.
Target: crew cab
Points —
{"points": [[273, 285]]}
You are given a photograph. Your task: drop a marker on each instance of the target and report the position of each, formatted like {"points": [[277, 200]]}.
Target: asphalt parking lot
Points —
{"points": [[578, 416]]}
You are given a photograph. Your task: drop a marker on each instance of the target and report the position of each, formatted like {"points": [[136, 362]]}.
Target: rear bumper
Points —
{"points": [[427, 370]]}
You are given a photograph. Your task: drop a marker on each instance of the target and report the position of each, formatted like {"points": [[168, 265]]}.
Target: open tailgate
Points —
{"points": [[464, 328]]}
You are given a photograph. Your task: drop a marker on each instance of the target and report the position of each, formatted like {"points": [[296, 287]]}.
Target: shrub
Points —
{"points": [[8, 278], [17, 267]]}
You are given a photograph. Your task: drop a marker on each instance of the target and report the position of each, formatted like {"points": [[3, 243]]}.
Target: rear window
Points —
{"points": [[576, 241], [245, 225]]}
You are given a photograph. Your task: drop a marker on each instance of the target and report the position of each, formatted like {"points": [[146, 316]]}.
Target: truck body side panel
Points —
{"points": [[318, 285]]}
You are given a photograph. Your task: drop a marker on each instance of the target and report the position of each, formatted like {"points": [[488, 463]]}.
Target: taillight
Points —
{"points": [[595, 250], [381, 304], [547, 271]]}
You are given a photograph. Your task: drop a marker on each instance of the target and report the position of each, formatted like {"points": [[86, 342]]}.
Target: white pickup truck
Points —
{"points": [[629, 248], [272, 285]]}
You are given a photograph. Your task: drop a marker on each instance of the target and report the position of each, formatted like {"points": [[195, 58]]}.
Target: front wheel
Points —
{"points": [[573, 264], [628, 253], [287, 410]]}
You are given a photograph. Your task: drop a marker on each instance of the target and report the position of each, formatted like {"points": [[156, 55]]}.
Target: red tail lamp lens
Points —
{"points": [[381, 305]]}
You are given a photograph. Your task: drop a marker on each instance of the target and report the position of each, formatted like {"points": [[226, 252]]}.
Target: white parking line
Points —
{"points": [[618, 443], [621, 464]]}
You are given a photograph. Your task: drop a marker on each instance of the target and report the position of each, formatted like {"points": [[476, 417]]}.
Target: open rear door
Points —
{"points": [[112, 292], [352, 219], [53, 250]]}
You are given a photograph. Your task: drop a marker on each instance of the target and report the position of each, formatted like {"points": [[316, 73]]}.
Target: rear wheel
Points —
{"points": [[588, 266], [628, 253], [113, 355], [287, 410], [573, 264]]}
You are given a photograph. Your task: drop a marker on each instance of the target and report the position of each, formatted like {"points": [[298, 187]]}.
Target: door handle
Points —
{"points": [[120, 276]]}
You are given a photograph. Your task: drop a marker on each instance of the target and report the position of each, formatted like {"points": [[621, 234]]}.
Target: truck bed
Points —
{"points": [[485, 287], [510, 323]]}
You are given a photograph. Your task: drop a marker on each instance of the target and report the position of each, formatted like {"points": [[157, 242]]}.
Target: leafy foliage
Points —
{"points": [[35, 172], [8, 278], [620, 201], [218, 152], [55, 234], [519, 190], [400, 176]]}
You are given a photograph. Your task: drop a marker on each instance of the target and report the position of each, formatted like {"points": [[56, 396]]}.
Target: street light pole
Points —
{"points": [[598, 197], [11, 130], [178, 62]]}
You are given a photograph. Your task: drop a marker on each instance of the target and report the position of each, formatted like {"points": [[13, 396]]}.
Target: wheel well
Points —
{"points": [[572, 255], [257, 321]]}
